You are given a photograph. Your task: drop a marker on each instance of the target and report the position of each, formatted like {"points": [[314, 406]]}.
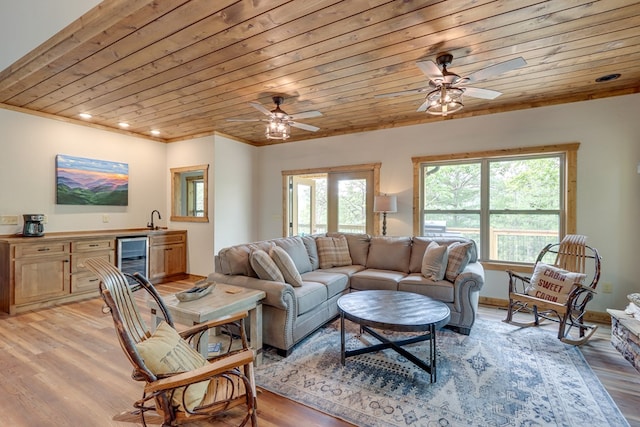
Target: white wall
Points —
{"points": [[235, 194], [28, 148], [608, 183], [193, 152]]}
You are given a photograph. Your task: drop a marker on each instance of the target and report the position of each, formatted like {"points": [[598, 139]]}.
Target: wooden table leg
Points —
{"points": [[255, 319]]}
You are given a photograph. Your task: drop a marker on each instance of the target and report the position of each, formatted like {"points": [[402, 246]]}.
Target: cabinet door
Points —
{"points": [[167, 260], [157, 268], [175, 259], [41, 278]]}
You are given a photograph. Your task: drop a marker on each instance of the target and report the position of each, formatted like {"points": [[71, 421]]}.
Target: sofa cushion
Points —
{"points": [[552, 283], [296, 249], [434, 262], [459, 256], [235, 259], [333, 251], [312, 251], [165, 352], [358, 246], [309, 296], [335, 282], [442, 290], [373, 279], [286, 265], [389, 253], [418, 247], [264, 266]]}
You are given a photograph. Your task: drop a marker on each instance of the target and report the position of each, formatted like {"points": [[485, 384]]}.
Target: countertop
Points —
{"points": [[128, 232]]}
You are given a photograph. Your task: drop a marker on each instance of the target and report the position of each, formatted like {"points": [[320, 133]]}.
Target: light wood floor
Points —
{"points": [[62, 366]]}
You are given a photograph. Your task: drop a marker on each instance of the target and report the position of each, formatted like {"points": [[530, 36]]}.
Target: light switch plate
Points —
{"points": [[9, 219]]}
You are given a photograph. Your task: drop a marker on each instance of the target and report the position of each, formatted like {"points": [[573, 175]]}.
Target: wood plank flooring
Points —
{"points": [[62, 366]]}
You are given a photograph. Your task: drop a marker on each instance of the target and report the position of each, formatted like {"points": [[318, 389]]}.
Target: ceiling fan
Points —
{"points": [[445, 91], [279, 122]]}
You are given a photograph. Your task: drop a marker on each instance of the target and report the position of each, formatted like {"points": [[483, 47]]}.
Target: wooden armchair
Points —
{"points": [[180, 384], [564, 281]]}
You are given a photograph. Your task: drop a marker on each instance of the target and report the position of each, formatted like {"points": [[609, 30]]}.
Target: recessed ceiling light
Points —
{"points": [[85, 115], [123, 125], [608, 78], [155, 132]]}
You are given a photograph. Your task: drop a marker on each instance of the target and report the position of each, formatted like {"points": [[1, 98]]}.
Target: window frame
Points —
{"points": [[374, 168], [568, 199]]}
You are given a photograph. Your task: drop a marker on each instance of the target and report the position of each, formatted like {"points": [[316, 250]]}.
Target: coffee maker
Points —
{"points": [[33, 225]]}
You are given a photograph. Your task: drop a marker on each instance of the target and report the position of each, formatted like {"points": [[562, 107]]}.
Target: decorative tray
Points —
{"points": [[200, 289]]}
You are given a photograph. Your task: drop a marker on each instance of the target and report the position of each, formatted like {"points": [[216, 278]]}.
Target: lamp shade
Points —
{"points": [[385, 204]]}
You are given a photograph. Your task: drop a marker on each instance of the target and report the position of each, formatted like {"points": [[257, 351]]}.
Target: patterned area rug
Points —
{"points": [[500, 375]]}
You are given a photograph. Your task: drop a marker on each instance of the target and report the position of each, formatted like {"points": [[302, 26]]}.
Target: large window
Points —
{"points": [[336, 199], [511, 202]]}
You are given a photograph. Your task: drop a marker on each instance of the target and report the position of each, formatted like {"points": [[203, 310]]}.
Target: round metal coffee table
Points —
{"points": [[394, 311]]}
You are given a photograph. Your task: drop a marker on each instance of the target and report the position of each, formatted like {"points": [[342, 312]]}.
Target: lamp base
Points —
{"points": [[384, 223]]}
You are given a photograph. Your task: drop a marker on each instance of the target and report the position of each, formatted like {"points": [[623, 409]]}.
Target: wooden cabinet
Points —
{"points": [[82, 280], [167, 256], [41, 272], [37, 272]]}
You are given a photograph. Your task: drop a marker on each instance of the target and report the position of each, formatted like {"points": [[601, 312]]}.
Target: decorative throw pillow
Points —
{"points": [[165, 352], [459, 256], [286, 265], [551, 283], [264, 266], [434, 261], [333, 251]]}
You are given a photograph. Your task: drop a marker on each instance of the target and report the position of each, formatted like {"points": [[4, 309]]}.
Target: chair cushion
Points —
{"points": [[434, 262], [286, 265], [333, 251], [264, 266], [459, 256], [552, 283], [165, 352]]}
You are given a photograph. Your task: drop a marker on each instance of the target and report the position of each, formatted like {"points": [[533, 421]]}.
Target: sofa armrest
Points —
{"points": [[467, 292], [278, 294]]}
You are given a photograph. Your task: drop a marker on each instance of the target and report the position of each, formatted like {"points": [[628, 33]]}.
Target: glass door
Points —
{"points": [[350, 202]]}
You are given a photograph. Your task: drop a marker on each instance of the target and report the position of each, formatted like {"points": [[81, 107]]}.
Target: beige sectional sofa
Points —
{"points": [[321, 268]]}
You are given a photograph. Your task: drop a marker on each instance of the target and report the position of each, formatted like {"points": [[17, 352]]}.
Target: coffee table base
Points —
{"points": [[385, 343]]}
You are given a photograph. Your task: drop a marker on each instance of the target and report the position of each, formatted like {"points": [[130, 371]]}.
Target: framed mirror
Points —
{"points": [[190, 193]]}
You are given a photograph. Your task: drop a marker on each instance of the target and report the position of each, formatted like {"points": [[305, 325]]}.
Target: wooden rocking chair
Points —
{"points": [[571, 255], [181, 386]]}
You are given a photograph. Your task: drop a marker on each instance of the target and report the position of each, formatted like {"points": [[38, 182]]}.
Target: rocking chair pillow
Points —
{"points": [[553, 284], [165, 352]]}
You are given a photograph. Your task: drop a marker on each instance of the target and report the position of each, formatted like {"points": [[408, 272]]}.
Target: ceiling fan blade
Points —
{"points": [[494, 70], [260, 108], [244, 120], [306, 115], [304, 126], [475, 92], [423, 107], [402, 92], [430, 69]]}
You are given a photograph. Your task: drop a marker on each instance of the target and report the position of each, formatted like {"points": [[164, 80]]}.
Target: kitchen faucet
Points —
{"points": [[150, 225]]}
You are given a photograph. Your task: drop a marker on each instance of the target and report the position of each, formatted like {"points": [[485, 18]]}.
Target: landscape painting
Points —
{"points": [[81, 181]]}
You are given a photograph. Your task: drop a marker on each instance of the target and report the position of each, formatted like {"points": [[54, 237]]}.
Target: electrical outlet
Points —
{"points": [[9, 219], [105, 218], [607, 288]]}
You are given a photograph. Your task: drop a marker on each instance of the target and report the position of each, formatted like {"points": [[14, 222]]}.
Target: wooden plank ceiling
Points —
{"points": [[185, 67]]}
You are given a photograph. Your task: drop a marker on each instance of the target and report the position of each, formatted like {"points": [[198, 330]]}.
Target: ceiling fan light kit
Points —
{"points": [[444, 100], [277, 129]]}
